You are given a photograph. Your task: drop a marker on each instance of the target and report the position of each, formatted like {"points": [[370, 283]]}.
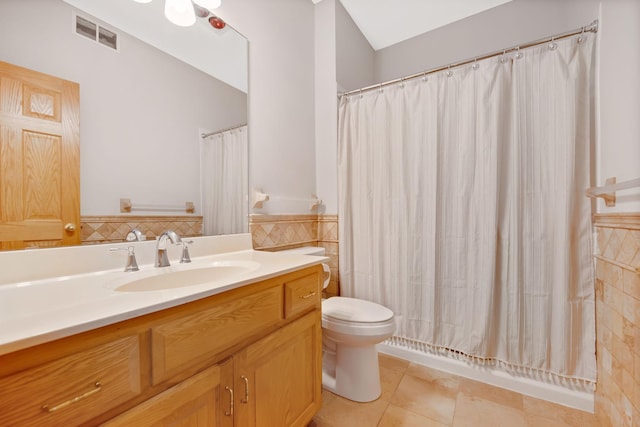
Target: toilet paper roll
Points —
{"points": [[326, 276]]}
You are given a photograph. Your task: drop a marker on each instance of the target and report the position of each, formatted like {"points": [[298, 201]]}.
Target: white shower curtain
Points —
{"points": [[224, 176], [462, 208]]}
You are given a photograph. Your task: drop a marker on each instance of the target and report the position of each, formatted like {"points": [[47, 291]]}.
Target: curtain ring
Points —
{"points": [[424, 77], [503, 58], [449, 72], [475, 65], [553, 45], [380, 88], [581, 38], [402, 82], [361, 93], [518, 54]]}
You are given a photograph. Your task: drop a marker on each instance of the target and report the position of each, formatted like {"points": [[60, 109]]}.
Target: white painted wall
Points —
{"points": [[325, 102], [281, 98], [355, 63], [519, 21], [344, 60], [619, 151], [140, 109]]}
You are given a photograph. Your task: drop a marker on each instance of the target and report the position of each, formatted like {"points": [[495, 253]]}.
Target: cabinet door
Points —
{"points": [[278, 380], [202, 400]]}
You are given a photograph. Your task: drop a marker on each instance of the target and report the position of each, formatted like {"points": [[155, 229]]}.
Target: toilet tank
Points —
{"points": [[307, 250]]}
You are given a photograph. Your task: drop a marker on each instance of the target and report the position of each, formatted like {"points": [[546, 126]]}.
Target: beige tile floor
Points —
{"points": [[414, 395]]}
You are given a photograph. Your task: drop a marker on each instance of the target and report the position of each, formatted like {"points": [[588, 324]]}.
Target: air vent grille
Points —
{"points": [[87, 28]]}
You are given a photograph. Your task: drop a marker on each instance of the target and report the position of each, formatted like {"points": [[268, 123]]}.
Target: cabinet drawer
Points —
{"points": [[301, 294], [74, 389], [187, 341]]}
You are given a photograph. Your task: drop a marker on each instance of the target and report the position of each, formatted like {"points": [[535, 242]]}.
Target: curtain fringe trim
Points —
{"points": [[573, 383]]}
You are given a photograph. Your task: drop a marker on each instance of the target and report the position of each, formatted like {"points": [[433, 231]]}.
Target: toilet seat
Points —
{"points": [[357, 318], [355, 329], [353, 310]]}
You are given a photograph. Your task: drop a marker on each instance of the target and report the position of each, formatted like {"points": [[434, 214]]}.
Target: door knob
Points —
{"points": [[70, 227]]}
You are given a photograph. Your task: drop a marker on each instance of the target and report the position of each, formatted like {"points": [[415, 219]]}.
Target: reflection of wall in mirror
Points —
{"points": [[141, 110]]}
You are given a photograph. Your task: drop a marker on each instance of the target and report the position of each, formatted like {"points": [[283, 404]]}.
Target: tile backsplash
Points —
{"points": [[109, 229], [278, 232], [618, 319]]}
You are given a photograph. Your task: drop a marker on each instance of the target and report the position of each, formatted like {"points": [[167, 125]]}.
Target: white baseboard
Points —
{"points": [[581, 400]]}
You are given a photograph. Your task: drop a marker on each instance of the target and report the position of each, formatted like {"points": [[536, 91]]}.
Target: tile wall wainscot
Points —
{"points": [[279, 232], [109, 229], [617, 401]]}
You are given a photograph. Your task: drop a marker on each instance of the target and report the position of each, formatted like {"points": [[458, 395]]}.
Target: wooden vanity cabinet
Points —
{"points": [[275, 378], [197, 401], [247, 357]]}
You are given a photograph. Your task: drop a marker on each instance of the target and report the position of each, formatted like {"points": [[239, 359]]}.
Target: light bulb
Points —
{"points": [[180, 12], [208, 4]]}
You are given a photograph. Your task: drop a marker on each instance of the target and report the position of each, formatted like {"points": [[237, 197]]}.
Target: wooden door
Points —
{"points": [[39, 159], [200, 401], [278, 380]]}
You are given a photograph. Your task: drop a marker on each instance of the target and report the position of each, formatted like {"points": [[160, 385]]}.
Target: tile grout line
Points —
{"points": [[382, 415]]}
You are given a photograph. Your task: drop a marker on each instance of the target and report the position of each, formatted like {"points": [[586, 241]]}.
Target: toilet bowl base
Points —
{"points": [[352, 372]]}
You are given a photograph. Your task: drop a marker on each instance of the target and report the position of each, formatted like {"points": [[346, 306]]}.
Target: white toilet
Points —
{"points": [[351, 328]]}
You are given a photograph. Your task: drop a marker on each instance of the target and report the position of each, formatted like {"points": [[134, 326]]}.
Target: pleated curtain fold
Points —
{"points": [[224, 166], [462, 207]]}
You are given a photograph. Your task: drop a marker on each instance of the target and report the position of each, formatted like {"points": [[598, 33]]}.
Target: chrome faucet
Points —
{"points": [[135, 235], [162, 260], [185, 251], [132, 264]]}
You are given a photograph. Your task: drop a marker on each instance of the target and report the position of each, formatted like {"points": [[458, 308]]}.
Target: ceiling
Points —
{"points": [[221, 54], [385, 22]]}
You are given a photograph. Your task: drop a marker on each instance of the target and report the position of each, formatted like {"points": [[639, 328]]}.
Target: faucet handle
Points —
{"points": [[135, 235], [185, 251], [132, 264]]}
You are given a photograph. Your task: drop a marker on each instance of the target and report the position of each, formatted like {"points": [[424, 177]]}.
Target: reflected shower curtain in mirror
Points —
{"points": [[225, 206], [462, 209]]}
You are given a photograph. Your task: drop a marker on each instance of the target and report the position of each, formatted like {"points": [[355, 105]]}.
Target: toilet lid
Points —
{"points": [[355, 310]]}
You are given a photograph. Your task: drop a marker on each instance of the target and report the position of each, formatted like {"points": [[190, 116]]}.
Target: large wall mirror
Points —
{"points": [[146, 99]]}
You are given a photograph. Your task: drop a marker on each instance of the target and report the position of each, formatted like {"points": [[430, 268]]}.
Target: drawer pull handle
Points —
{"points": [[309, 295], [230, 413], [246, 389], [54, 408]]}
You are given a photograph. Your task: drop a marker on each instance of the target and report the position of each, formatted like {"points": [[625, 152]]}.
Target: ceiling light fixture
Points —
{"points": [[180, 12], [184, 12]]}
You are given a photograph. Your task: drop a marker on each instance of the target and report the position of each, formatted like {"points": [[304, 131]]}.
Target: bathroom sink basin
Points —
{"points": [[188, 277]]}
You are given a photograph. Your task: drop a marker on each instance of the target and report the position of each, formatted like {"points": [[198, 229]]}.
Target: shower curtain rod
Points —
{"points": [[207, 135], [592, 28]]}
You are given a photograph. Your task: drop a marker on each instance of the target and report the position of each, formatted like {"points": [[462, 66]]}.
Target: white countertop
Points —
{"points": [[42, 310]]}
